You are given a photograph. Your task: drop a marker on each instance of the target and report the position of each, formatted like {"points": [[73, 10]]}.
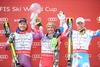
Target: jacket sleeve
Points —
{"points": [[38, 34], [65, 31], [94, 33]]}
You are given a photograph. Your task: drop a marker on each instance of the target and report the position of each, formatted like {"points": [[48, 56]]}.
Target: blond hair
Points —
{"points": [[51, 24]]}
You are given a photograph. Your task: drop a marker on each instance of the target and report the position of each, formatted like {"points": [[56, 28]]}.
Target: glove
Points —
{"points": [[57, 33], [38, 21], [61, 17], [11, 38]]}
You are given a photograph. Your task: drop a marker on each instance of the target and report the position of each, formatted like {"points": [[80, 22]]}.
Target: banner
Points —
{"points": [[12, 10]]}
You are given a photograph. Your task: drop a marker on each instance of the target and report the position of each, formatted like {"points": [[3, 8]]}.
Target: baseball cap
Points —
{"points": [[80, 19]]}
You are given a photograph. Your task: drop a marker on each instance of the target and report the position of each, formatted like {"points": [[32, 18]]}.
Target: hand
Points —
{"points": [[11, 38], [57, 33], [38, 21], [61, 17]]}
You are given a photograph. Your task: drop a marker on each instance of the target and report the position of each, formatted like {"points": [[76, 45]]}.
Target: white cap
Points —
{"points": [[80, 19]]}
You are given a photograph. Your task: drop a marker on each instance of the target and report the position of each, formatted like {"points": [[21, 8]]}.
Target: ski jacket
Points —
{"points": [[23, 41], [82, 41]]}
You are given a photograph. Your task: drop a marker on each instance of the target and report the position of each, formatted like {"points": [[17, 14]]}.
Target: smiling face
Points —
{"points": [[22, 26], [50, 27]]}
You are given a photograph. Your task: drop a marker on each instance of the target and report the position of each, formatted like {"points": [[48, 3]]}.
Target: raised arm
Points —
{"points": [[63, 25], [94, 33], [38, 34]]}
